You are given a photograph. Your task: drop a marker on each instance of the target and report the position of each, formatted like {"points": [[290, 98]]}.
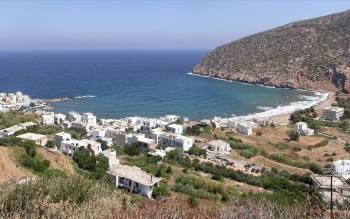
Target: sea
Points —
{"points": [[117, 84]]}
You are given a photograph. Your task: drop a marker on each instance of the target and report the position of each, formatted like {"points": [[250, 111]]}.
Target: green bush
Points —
{"points": [[132, 150], [11, 118], [192, 201], [50, 144], [197, 151], [103, 143], [160, 192], [293, 135], [245, 150], [98, 166]]}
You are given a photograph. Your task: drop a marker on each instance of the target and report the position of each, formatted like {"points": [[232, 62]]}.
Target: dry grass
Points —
{"points": [[58, 161], [73, 197], [9, 169], [318, 154], [265, 162], [177, 207]]}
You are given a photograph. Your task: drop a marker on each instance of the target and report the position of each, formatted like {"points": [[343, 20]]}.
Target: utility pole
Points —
{"points": [[332, 195]]}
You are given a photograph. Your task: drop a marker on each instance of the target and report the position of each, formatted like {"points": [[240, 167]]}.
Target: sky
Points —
{"points": [[148, 24]]}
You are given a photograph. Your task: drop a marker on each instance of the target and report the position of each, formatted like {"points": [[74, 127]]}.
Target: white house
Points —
{"points": [[2, 108], [219, 146], [70, 146], [175, 128], [62, 136], [88, 119], [333, 113], [146, 143], [111, 157], [93, 146], [36, 138], [244, 128], [22, 100], [342, 167], [302, 129], [98, 133], [169, 118], [174, 140], [134, 179], [48, 118], [13, 129], [74, 117], [59, 118]]}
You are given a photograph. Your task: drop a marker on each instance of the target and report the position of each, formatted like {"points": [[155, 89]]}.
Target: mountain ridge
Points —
{"points": [[309, 54]]}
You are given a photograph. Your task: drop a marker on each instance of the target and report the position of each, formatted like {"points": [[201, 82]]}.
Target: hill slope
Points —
{"points": [[310, 54]]}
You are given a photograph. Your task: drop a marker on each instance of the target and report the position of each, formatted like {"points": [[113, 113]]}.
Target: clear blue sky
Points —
{"points": [[162, 24]]}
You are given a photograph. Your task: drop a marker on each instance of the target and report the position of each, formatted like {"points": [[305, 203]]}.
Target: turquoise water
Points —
{"points": [[145, 83]]}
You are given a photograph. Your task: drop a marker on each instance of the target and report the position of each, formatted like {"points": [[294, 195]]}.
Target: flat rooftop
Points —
{"points": [[31, 136], [325, 181], [135, 174]]}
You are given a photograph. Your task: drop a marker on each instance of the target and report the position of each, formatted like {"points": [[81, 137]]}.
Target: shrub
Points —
{"points": [[192, 201], [169, 170], [132, 150], [160, 192], [103, 143], [293, 136], [50, 144], [97, 166], [197, 151], [218, 177], [296, 148]]}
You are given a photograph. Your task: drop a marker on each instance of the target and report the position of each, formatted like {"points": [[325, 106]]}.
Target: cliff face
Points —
{"points": [[310, 54]]}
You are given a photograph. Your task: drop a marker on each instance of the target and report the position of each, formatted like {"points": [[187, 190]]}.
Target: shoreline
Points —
{"points": [[283, 119], [325, 99], [279, 114]]}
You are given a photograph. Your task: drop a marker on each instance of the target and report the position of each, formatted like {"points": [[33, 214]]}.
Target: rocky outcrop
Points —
{"points": [[310, 54]]}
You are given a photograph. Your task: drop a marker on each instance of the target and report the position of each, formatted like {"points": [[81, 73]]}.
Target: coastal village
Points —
{"points": [[142, 153]]}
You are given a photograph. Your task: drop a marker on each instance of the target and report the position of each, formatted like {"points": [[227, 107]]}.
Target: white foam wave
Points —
{"points": [[85, 96], [286, 109], [265, 108]]}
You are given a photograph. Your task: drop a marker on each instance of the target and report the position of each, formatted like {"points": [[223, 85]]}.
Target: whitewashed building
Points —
{"points": [[244, 128], [174, 140], [88, 119], [62, 136], [175, 128], [134, 179], [219, 146], [333, 113], [48, 118], [111, 157], [342, 167], [74, 117], [13, 129], [36, 138], [70, 146], [59, 118], [302, 129]]}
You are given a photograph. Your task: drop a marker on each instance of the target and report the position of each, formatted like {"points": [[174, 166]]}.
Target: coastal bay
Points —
{"points": [[145, 83]]}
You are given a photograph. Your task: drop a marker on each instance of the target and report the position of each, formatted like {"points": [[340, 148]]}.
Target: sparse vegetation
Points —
{"points": [[293, 135]]}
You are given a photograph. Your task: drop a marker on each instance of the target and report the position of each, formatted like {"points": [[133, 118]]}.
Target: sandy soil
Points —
{"points": [[284, 119], [9, 171], [318, 154]]}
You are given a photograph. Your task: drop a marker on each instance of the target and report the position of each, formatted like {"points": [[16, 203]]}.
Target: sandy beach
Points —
{"points": [[284, 119]]}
